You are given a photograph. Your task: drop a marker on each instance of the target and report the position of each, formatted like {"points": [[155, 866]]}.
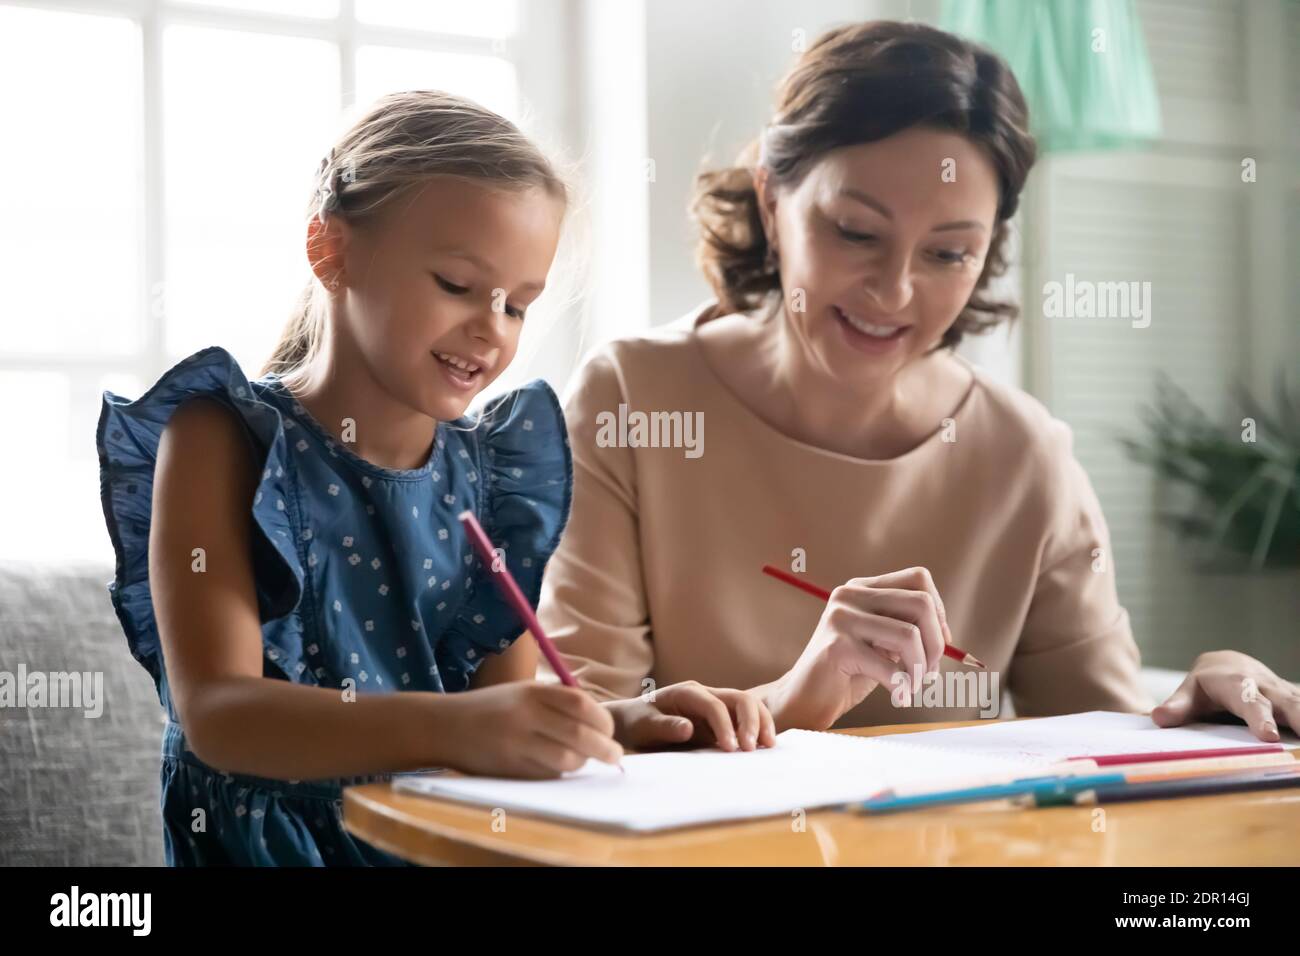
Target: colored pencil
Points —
{"points": [[1272, 779], [514, 596], [1133, 772], [1043, 791], [1113, 760], [956, 653]]}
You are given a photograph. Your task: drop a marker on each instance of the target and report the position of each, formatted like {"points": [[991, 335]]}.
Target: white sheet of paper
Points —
{"points": [[808, 769]]}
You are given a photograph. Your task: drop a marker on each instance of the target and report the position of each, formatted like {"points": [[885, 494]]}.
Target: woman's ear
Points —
{"points": [[765, 192], [326, 244]]}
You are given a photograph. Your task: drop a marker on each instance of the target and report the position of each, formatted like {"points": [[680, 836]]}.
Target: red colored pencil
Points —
{"points": [[956, 653], [514, 596]]}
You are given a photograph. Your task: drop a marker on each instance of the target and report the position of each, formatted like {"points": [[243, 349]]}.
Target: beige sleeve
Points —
{"points": [[1076, 652], [593, 603]]}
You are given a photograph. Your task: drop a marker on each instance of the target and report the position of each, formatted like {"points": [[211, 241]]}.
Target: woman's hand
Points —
{"points": [[691, 713], [524, 729], [872, 629], [1231, 681]]}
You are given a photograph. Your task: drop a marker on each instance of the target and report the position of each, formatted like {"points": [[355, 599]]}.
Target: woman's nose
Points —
{"points": [[890, 284]]}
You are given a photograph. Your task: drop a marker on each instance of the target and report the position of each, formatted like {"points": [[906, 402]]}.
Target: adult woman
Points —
{"points": [[848, 254]]}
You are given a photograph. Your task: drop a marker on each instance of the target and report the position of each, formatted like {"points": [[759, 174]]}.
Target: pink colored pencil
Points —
{"points": [[514, 596], [1114, 760]]}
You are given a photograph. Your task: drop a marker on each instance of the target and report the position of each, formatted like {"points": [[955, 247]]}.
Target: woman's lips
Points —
{"points": [[864, 336]]}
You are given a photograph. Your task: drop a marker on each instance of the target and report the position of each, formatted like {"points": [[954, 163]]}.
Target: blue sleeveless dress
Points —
{"points": [[361, 572]]}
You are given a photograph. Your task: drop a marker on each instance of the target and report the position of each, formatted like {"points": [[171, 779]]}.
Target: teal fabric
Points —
{"points": [[1078, 99]]}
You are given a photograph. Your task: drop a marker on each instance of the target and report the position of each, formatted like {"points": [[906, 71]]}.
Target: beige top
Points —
{"points": [[658, 574]]}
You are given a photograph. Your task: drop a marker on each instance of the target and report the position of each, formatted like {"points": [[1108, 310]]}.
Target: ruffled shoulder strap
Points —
{"points": [[127, 441], [525, 453]]}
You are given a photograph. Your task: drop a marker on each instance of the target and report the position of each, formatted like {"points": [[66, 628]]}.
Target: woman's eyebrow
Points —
{"points": [[881, 208]]}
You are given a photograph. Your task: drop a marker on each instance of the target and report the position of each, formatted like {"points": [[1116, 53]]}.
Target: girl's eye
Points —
{"points": [[451, 287], [950, 257], [454, 289]]}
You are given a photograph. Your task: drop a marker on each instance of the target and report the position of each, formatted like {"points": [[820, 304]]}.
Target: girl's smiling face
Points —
{"points": [[878, 253], [436, 289]]}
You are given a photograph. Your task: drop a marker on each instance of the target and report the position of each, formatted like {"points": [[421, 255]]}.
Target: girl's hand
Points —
{"points": [[1229, 680], [525, 729], [872, 629], [691, 713]]}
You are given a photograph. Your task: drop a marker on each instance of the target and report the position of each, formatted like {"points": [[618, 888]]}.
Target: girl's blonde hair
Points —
{"points": [[389, 153]]}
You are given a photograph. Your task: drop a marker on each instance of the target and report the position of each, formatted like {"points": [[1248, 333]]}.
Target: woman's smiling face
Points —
{"points": [[879, 251]]}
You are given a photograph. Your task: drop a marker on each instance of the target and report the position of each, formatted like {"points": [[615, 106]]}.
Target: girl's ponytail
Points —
{"points": [[301, 337]]}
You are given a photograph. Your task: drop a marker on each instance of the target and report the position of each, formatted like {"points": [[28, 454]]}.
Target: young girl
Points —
{"points": [[287, 550]]}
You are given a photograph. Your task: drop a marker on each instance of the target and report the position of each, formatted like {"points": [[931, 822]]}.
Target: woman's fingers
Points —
{"points": [[1286, 704], [1250, 705], [1261, 698], [917, 579], [877, 637], [914, 607], [1180, 706]]}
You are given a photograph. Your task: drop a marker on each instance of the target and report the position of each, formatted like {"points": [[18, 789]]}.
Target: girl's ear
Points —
{"points": [[326, 243]]}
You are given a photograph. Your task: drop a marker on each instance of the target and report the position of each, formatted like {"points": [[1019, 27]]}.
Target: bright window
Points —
{"points": [[158, 166]]}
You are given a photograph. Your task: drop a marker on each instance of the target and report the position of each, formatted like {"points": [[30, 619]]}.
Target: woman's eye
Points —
{"points": [[950, 256], [852, 236], [451, 287], [514, 311]]}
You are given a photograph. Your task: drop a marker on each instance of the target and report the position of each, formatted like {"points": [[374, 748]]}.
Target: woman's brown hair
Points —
{"points": [[858, 84]]}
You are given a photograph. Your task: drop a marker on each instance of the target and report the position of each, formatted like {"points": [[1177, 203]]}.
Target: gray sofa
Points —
{"points": [[76, 790]]}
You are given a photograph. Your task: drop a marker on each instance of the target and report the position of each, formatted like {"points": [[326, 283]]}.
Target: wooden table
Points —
{"points": [[1248, 829]]}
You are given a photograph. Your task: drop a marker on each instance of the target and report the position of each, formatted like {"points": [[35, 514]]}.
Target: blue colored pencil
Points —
{"points": [[1040, 791]]}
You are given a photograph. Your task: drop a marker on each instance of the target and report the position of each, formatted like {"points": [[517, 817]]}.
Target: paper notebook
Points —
{"points": [[810, 769]]}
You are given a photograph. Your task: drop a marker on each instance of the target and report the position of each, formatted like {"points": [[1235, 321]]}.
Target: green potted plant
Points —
{"points": [[1244, 476], [1232, 491]]}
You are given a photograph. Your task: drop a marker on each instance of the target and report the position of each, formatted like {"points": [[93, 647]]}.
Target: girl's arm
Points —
{"points": [[234, 718], [518, 662], [239, 721]]}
